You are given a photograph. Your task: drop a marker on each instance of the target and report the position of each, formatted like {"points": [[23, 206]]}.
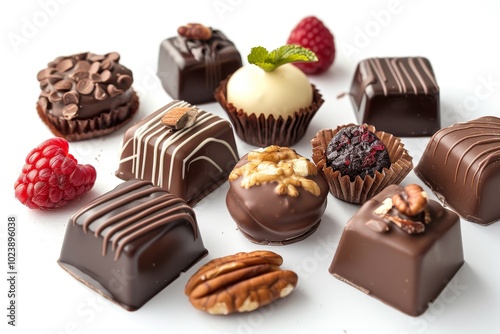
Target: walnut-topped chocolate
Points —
{"points": [[86, 95], [276, 196]]}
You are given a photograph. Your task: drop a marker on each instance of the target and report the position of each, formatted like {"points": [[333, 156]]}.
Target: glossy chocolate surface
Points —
{"points": [[265, 217], [461, 165], [397, 95], [191, 69], [86, 95], [131, 243], [189, 163], [406, 271]]}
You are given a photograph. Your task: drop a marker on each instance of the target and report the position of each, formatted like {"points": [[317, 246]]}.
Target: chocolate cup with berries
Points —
{"points": [[263, 131], [360, 189]]}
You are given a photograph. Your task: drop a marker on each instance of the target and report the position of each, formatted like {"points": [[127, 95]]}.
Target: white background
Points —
{"points": [[461, 41]]}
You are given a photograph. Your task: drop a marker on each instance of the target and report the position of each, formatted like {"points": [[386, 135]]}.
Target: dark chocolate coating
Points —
{"points": [[265, 217], [406, 271], [189, 163], [86, 95], [191, 70], [461, 165], [397, 95], [131, 243]]}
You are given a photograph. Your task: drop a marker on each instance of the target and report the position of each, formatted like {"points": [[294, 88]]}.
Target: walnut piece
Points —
{"points": [[195, 31], [241, 282], [277, 164], [180, 117], [411, 201]]}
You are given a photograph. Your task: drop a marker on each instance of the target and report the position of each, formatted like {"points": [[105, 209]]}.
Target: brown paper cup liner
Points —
{"points": [[81, 129], [360, 190], [261, 131]]}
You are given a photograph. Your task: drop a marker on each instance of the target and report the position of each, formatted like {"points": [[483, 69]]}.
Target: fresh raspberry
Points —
{"points": [[51, 177], [312, 34], [355, 150]]}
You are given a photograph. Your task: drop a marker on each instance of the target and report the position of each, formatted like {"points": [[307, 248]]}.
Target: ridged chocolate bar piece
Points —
{"points": [[131, 242], [397, 95], [461, 165]]}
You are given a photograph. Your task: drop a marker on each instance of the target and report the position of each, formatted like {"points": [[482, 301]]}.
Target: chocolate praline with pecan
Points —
{"points": [[276, 196], [86, 95]]}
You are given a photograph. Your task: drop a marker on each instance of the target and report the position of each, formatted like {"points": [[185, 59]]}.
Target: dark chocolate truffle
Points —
{"points": [[400, 248], [461, 165], [192, 64], [355, 150], [397, 95], [276, 196], [86, 95], [131, 243], [189, 157]]}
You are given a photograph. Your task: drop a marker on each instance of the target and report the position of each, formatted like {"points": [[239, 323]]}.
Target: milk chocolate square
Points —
{"points": [[397, 95], [131, 242], [461, 165], [406, 271]]}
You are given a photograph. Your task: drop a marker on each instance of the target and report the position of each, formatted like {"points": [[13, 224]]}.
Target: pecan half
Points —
{"points": [[411, 201], [241, 282]]}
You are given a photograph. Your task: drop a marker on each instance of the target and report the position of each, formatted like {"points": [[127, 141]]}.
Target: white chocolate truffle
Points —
{"points": [[280, 92]]}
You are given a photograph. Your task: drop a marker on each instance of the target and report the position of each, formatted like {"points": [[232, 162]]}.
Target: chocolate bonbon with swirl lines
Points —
{"points": [[461, 165], [397, 95], [131, 242]]}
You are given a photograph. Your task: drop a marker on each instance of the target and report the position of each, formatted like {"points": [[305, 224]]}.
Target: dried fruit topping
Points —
{"points": [[312, 34], [277, 164], [180, 117], [51, 177], [355, 150], [195, 31], [241, 282]]}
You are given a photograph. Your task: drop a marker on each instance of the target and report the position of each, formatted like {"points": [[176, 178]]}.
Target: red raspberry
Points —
{"points": [[312, 34], [51, 177]]}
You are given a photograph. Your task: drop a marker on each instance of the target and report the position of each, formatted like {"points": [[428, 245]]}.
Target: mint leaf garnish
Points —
{"points": [[289, 53]]}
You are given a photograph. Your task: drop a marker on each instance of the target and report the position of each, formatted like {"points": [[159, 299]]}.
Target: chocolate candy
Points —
{"points": [[131, 243], [191, 67], [276, 197], [461, 165], [400, 248], [86, 95], [189, 162], [355, 150], [397, 95]]}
